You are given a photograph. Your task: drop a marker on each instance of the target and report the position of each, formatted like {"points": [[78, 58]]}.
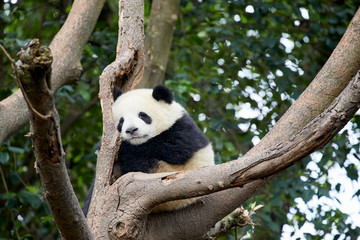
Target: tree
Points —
{"points": [[249, 189]]}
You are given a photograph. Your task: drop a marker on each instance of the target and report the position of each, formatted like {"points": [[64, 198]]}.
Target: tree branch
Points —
{"points": [[33, 71], [75, 114], [125, 72], [66, 66], [238, 218]]}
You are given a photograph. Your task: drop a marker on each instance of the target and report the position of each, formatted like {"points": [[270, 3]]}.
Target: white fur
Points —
{"points": [[129, 105]]}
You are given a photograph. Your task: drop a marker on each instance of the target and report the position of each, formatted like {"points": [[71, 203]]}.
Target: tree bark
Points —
{"points": [[33, 72], [125, 72], [66, 48], [163, 18]]}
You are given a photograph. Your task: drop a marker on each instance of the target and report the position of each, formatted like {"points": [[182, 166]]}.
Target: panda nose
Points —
{"points": [[131, 130]]}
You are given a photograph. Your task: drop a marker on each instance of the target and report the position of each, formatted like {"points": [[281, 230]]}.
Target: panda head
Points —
{"points": [[142, 114]]}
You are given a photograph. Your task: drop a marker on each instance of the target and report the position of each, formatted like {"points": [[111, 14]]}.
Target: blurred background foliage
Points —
{"points": [[236, 66]]}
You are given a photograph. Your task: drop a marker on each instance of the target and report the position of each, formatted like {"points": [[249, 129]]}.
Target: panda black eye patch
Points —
{"points": [[121, 122], [146, 118]]}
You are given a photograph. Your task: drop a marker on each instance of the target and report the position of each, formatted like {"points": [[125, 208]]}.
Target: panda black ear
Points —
{"points": [[161, 92], [116, 93]]}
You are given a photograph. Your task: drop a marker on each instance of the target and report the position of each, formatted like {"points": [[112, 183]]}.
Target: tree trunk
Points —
{"points": [[125, 72], [163, 17], [33, 72]]}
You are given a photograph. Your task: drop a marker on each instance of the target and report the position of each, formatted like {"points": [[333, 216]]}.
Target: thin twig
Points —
{"points": [[7, 55], [3, 179], [16, 172]]}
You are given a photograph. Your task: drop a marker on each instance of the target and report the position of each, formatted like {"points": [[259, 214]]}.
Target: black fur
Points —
{"points": [[86, 205], [120, 124], [116, 93], [146, 118], [161, 92], [175, 146]]}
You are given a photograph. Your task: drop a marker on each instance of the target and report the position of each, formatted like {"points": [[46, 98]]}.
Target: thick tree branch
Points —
{"points": [[125, 72], [33, 71], [66, 66]]}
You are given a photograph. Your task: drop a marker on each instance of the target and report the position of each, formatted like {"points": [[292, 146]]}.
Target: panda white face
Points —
{"points": [[138, 116]]}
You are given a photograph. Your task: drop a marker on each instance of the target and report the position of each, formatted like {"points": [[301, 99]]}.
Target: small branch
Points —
{"points": [[8, 56], [239, 217], [75, 114], [3, 179]]}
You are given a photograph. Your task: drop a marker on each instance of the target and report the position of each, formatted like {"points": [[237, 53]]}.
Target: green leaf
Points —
{"points": [[16, 149], [26, 196], [337, 187], [8, 195], [352, 172], [4, 158]]}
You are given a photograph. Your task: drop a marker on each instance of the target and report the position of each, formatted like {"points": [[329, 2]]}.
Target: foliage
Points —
{"points": [[242, 62]]}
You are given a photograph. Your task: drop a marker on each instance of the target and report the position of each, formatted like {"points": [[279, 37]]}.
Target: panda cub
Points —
{"points": [[158, 136]]}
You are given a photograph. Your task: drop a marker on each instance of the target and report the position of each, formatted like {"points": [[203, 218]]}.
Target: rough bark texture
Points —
{"points": [[163, 18], [66, 48], [125, 72], [33, 71]]}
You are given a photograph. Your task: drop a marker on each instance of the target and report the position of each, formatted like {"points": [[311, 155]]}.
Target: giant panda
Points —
{"points": [[158, 135]]}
